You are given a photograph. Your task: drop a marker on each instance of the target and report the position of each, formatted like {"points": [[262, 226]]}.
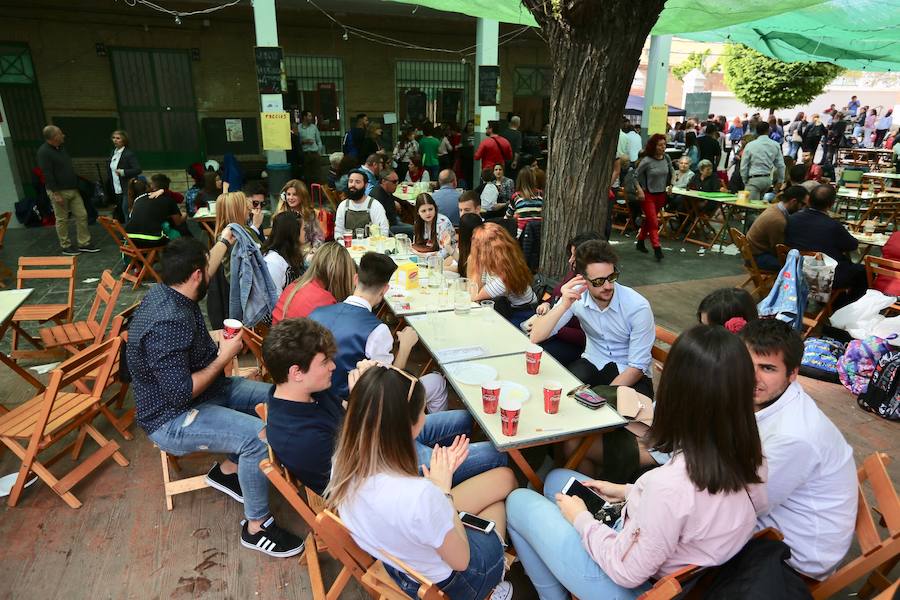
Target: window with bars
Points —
{"points": [[532, 81], [316, 84], [15, 65], [432, 91]]}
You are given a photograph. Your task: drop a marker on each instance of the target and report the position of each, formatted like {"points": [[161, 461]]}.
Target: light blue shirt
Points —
{"points": [[622, 333], [447, 200]]}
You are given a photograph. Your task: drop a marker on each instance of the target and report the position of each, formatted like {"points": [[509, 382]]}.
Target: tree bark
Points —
{"points": [[595, 48]]}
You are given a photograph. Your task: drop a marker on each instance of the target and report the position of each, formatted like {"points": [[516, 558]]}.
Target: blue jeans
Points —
{"points": [[551, 550], [794, 149], [440, 428], [484, 572], [227, 424]]}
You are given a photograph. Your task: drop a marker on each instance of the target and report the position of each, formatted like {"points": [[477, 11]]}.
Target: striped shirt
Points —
{"points": [[525, 209], [494, 286]]}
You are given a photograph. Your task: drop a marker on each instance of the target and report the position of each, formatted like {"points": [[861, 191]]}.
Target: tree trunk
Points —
{"points": [[595, 48]]}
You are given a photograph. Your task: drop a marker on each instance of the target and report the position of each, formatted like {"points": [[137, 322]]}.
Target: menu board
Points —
{"points": [[268, 69], [488, 85]]}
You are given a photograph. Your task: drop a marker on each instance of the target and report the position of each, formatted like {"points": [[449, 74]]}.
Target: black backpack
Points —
{"points": [[881, 397], [757, 572]]}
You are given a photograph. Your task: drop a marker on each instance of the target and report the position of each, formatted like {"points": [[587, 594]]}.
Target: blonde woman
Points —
{"points": [[375, 470], [295, 198], [328, 280]]}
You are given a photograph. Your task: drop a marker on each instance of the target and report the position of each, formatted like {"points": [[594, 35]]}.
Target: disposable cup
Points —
{"points": [[490, 396], [509, 416], [552, 394], [533, 359], [348, 239], [230, 328]]}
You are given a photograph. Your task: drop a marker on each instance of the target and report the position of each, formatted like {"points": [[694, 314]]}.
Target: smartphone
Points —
{"points": [[473, 522], [594, 502]]}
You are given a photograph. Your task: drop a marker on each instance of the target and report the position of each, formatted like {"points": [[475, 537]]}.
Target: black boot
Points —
{"points": [[640, 246], [657, 252]]}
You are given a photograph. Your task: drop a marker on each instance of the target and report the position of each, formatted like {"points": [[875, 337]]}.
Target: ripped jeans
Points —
{"points": [[226, 425]]}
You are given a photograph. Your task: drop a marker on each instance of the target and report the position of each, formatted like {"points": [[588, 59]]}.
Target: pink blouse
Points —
{"points": [[670, 524]]}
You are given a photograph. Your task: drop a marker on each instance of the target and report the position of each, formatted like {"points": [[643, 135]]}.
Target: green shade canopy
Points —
{"points": [[855, 34]]}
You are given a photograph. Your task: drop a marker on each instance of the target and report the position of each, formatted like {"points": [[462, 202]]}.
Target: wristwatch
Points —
{"points": [[224, 241]]}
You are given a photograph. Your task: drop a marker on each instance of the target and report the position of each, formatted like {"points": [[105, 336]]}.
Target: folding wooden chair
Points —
{"points": [[141, 259], [125, 420], [879, 554], [657, 352], [619, 212], [368, 571], [762, 280], [672, 586], [253, 342], [812, 320], [31, 269], [46, 419], [882, 267], [5, 271], [74, 336]]}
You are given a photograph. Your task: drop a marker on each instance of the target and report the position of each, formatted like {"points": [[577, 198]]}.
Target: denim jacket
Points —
{"points": [[252, 294], [787, 300]]}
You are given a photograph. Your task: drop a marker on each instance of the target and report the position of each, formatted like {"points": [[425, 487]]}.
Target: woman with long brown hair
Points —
{"points": [[654, 176], [527, 202], [328, 280], [432, 231], [212, 187], [375, 470], [295, 197], [459, 260], [498, 271]]}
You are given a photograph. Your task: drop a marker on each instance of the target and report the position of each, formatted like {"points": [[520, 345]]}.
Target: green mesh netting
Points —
{"points": [[856, 34]]}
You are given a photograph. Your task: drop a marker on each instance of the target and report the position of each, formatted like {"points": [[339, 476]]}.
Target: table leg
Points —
{"points": [[210, 231], [5, 359], [580, 452], [527, 471]]}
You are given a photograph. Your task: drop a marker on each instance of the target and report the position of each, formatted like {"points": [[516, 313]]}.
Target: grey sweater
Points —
{"points": [[654, 175], [57, 168]]}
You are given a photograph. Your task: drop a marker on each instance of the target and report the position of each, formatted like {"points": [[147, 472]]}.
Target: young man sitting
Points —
{"points": [[359, 209], [359, 335], [812, 485], [469, 203], [767, 230], [184, 401]]}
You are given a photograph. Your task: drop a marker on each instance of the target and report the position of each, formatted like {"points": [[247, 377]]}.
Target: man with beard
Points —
{"points": [[184, 401], [359, 209], [767, 230]]}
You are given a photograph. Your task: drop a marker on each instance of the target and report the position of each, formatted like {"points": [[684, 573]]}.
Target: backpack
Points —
{"points": [[820, 358], [858, 363], [881, 395], [757, 572]]}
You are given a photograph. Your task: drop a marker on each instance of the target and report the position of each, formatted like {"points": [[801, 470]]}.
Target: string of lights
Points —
{"points": [[179, 13]]}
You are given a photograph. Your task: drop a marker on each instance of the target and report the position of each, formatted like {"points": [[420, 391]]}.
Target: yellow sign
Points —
{"points": [[276, 130], [657, 122]]}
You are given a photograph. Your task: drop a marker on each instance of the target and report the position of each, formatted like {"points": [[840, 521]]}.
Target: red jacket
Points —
{"points": [[493, 150]]}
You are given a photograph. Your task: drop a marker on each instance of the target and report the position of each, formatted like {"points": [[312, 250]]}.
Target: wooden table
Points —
{"points": [[727, 206], [207, 221], [536, 428], [10, 301], [481, 327], [876, 175]]}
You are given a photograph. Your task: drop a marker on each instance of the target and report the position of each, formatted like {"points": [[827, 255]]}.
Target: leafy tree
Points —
{"points": [[695, 60], [595, 48], [764, 82]]}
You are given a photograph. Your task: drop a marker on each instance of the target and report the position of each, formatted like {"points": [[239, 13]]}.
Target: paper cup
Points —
{"points": [[490, 396], [552, 394], [533, 359], [509, 416], [230, 328], [348, 239]]}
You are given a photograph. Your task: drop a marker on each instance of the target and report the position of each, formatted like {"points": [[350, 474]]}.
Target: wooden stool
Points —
{"points": [[174, 487]]}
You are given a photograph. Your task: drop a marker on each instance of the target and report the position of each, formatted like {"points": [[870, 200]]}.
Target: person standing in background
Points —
{"points": [[123, 166], [61, 183], [311, 147], [882, 126], [514, 137]]}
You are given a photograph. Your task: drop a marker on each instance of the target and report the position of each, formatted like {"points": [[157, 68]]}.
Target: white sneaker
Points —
{"points": [[503, 591]]}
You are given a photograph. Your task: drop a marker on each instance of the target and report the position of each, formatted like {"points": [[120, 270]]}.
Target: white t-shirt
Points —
{"points": [[277, 269], [496, 288], [113, 165], [376, 214], [407, 517], [489, 196]]}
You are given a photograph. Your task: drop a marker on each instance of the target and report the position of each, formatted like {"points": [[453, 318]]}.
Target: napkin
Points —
{"points": [[460, 353]]}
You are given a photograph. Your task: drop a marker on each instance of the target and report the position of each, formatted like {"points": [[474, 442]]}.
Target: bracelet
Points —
{"points": [[224, 241]]}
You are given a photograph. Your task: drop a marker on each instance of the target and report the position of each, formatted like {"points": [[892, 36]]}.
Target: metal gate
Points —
{"points": [[432, 91], [23, 106], [155, 96]]}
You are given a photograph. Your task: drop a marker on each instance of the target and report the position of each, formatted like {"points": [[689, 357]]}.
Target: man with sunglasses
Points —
{"points": [[617, 322], [384, 193], [256, 195]]}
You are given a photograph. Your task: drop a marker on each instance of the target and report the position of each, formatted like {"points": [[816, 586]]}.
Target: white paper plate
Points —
{"points": [[472, 373], [513, 390]]}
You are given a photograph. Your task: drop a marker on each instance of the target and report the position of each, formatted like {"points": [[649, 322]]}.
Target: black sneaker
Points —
{"points": [[70, 251], [89, 248], [271, 540], [227, 484]]}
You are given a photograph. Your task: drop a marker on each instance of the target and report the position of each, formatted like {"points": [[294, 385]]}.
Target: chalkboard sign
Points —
{"points": [[416, 106], [696, 105], [268, 69], [215, 134], [488, 85]]}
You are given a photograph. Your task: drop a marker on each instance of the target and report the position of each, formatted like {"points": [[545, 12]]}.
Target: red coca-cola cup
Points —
{"points": [[490, 396], [509, 416], [348, 239], [533, 359], [230, 328], [552, 394]]}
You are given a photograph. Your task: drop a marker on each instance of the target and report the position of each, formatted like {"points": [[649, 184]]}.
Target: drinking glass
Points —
{"points": [[462, 300], [360, 233], [435, 270]]}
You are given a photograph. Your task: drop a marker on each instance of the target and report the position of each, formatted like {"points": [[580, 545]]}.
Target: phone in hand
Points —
{"points": [[474, 522], [594, 502]]}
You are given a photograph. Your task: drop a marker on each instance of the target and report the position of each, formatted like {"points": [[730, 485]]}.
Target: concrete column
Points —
{"points": [[10, 186], [486, 40], [657, 76], [266, 25]]}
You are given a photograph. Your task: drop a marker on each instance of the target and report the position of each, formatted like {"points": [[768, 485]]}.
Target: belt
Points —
{"points": [[761, 175]]}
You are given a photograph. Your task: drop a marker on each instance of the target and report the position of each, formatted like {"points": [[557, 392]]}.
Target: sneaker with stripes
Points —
{"points": [[271, 540]]}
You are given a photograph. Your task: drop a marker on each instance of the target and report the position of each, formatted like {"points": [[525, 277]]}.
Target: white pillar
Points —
{"points": [[657, 76], [10, 186], [266, 25], [486, 40]]}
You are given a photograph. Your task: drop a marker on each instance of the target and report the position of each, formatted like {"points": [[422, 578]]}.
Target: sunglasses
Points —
{"points": [[601, 281], [256, 203]]}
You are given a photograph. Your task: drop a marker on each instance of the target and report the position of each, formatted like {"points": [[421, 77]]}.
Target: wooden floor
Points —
{"points": [[123, 543]]}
